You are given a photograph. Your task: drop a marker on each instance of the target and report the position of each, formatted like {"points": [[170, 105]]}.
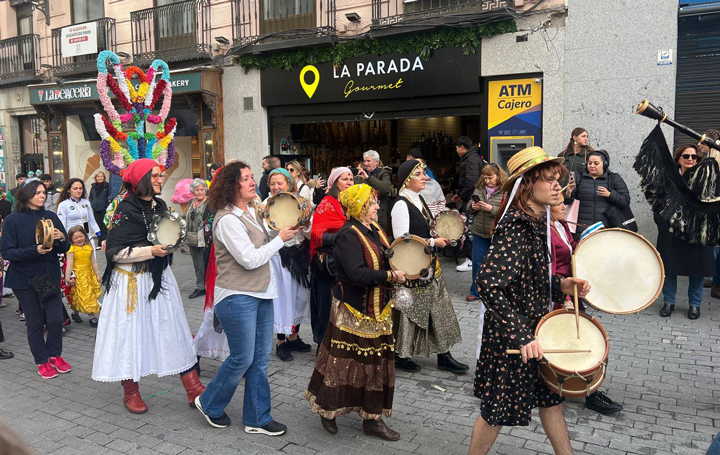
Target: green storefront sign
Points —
{"points": [[86, 91]]}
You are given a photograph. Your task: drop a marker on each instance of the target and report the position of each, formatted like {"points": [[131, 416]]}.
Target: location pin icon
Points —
{"points": [[309, 88]]}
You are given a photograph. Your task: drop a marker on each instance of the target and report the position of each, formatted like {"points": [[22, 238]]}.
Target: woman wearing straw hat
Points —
{"points": [[430, 325], [514, 286]]}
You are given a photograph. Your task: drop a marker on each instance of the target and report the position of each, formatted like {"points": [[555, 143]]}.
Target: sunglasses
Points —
{"points": [[687, 156]]}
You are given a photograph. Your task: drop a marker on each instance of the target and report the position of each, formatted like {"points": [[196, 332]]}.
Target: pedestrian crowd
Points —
{"points": [[332, 273]]}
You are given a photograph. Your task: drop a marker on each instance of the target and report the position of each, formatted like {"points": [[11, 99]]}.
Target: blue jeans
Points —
{"points": [[695, 290], [248, 324], [714, 448], [480, 247]]}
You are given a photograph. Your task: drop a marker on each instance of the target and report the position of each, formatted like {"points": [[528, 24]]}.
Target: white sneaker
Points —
{"points": [[465, 266]]}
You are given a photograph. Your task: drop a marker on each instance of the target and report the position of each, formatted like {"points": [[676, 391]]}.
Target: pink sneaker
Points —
{"points": [[47, 371], [60, 365]]}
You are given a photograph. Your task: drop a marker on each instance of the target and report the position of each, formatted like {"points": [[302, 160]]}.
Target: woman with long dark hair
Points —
{"points": [[576, 152], [244, 293], [30, 262], [142, 329], [75, 210]]}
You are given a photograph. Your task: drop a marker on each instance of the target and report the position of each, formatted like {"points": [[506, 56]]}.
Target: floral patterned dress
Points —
{"points": [[513, 284]]}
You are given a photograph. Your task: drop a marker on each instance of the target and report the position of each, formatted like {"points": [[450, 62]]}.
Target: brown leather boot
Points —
{"points": [[193, 387], [715, 292], [330, 425], [378, 429], [132, 399]]}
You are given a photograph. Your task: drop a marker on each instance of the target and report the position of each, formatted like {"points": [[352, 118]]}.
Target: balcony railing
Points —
{"points": [[19, 59], [276, 20], [66, 66], [180, 31], [389, 12]]}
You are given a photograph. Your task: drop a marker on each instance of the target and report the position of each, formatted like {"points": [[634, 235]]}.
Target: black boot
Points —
{"points": [[667, 310], [447, 363], [599, 402], [693, 312], [406, 365]]}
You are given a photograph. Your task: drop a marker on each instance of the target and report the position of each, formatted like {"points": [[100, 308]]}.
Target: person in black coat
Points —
{"points": [[268, 164], [29, 260], [597, 189], [99, 198], [680, 257], [471, 163]]}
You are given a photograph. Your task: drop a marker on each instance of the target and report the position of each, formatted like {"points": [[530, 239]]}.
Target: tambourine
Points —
{"points": [[286, 210], [44, 233], [168, 229], [449, 224], [410, 254]]}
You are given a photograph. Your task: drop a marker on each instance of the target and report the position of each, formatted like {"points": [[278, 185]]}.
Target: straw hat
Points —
{"points": [[524, 160]]}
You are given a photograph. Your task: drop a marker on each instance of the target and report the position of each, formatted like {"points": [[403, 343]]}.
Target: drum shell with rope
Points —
{"points": [[44, 233], [411, 255], [286, 210], [625, 271], [572, 374]]}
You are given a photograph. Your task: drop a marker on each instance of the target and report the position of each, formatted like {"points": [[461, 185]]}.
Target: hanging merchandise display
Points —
{"points": [[138, 105]]}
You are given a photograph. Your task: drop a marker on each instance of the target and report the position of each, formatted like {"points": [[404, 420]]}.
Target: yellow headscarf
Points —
{"points": [[356, 200]]}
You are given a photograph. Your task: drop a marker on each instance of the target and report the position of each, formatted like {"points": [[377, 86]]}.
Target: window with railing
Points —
{"points": [[173, 30], [256, 18], [106, 40], [19, 58], [387, 12]]}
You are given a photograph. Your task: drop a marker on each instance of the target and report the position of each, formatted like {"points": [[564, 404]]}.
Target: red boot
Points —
{"points": [[193, 387], [132, 399]]}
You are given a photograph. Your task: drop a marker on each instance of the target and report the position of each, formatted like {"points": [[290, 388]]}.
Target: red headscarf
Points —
{"points": [[328, 217], [137, 170]]}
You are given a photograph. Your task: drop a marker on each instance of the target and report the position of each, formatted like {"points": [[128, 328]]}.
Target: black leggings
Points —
{"points": [[37, 320]]}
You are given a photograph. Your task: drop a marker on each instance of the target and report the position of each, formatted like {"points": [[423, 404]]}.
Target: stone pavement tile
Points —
{"points": [[169, 448]]}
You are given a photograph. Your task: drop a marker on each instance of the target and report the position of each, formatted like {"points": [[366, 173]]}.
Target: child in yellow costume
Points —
{"points": [[85, 279]]}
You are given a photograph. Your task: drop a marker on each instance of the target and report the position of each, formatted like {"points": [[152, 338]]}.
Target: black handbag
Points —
{"points": [[44, 286], [620, 217]]}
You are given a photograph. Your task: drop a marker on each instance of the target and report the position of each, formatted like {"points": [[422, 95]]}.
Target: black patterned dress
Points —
{"points": [[513, 284]]}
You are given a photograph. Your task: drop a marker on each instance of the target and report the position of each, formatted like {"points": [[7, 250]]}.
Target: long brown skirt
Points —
{"points": [[355, 366]]}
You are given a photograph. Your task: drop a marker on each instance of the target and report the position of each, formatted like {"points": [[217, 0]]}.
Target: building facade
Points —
{"points": [[322, 81]]}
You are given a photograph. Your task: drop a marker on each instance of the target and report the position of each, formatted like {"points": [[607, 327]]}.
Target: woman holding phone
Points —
{"points": [[484, 205]]}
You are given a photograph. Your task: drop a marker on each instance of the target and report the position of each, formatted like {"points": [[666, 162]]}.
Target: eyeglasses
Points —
{"points": [[688, 156], [157, 176]]}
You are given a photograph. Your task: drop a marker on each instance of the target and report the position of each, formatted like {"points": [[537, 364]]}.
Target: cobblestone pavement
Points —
{"points": [[664, 371]]}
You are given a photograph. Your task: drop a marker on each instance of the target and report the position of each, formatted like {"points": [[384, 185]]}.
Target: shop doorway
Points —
{"points": [[32, 148]]}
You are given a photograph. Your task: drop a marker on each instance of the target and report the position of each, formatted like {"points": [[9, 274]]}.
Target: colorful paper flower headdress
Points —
{"points": [[138, 105]]}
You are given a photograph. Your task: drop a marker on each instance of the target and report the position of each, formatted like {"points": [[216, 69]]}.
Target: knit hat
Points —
{"points": [[406, 170], [137, 170], [356, 200]]}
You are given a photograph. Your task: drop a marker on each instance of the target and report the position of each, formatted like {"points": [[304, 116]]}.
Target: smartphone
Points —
{"points": [[572, 176], [475, 198], [354, 171]]}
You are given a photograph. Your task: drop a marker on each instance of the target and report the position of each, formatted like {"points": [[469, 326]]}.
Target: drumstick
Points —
{"points": [[576, 224], [577, 307], [553, 351]]}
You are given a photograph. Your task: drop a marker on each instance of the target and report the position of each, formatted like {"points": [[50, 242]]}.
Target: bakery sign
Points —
{"points": [[447, 71]]}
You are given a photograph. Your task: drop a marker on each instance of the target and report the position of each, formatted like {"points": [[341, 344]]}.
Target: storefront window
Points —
{"points": [[208, 143], [58, 164]]}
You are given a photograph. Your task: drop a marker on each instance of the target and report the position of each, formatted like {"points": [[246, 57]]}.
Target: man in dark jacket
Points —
{"points": [[471, 164], [268, 164], [378, 177]]}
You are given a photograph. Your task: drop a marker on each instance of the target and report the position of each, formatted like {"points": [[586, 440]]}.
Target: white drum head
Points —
{"points": [[168, 232], [449, 226], [410, 256], [283, 211], [624, 270], [559, 332]]}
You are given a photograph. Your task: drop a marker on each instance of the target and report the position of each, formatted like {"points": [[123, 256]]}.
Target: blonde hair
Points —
{"points": [[292, 186], [489, 169]]}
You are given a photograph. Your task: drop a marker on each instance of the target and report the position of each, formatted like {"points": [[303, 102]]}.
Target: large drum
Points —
{"points": [[572, 374], [168, 229], [285, 210], [449, 224], [44, 233], [625, 271], [410, 254]]}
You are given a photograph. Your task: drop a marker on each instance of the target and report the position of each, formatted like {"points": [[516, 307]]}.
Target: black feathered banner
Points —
{"points": [[679, 199]]}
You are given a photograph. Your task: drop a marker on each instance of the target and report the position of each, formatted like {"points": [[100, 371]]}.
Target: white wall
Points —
{"points": [[597, 64]]}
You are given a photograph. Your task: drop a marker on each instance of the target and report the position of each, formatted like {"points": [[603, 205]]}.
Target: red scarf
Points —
{"points": [[328, 217], [210, 278]]}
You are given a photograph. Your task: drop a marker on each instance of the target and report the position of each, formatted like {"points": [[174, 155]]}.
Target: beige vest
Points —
{"points": [[230, 274]]}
